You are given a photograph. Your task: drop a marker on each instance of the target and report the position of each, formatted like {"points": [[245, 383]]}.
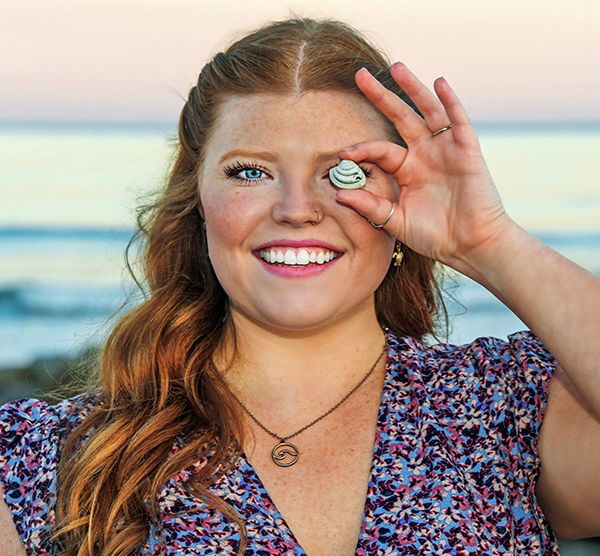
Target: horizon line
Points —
{"points": [[164, 125], [29, 230]]}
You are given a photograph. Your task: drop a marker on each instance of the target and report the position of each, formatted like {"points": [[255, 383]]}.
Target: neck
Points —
{"points": [[279, 367]]}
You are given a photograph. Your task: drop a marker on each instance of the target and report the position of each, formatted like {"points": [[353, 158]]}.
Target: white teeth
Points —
{"points": [[290, 257], [302, 257]]}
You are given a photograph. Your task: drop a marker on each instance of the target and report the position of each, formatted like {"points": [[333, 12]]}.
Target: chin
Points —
{"points": [[300, 314], [295, 324], [292, 321]]}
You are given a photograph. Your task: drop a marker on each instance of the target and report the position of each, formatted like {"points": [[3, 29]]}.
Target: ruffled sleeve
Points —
{"points": [[476, 416], [515, 377], [31, 434], [532, 367], [511, 389]]}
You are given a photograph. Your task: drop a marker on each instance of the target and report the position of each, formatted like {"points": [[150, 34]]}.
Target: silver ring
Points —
{"points": [[385, 221], [319, 220], [441, 130]]}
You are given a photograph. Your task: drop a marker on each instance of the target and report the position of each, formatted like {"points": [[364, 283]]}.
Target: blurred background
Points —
{"points": [[89, 99]]}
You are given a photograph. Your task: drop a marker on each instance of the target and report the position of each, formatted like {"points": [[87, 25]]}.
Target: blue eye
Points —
{"points": [[246, 173], [251, 174]]}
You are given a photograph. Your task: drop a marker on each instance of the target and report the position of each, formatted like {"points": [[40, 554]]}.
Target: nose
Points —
{"points": [[299, 202]]}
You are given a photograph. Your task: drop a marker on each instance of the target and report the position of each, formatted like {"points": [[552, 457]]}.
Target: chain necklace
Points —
{"points": [[283, 449]]}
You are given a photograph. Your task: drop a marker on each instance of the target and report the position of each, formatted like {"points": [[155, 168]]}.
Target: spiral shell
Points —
{"points": [[347, 175]]}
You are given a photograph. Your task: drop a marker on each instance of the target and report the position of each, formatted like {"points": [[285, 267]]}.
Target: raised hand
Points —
{"points": [[449, 208]]}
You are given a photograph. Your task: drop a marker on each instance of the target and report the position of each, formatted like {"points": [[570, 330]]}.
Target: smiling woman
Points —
{"points": [[275, 392]]}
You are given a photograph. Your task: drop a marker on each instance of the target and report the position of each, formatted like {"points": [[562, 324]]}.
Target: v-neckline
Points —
{"points": [[245, 468]]}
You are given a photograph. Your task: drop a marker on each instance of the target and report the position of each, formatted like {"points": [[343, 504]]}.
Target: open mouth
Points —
{"points": [[297, 257]]}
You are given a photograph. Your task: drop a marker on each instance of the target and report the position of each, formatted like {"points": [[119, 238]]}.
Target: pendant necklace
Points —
{"points": [[285, 454]]}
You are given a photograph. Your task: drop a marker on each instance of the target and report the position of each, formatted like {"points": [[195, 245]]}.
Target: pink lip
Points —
{"points": [[298, 243]]}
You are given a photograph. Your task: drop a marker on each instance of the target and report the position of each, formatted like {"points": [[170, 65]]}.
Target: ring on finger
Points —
{"points": [[385, 221], [441, 130]]}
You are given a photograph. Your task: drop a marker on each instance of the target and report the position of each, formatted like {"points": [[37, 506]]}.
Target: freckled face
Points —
{"points": [[262, 185]]}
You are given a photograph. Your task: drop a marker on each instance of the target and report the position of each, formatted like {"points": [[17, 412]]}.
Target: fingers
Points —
{"points": [[461, 124], [378, 211], [388, 156], [408, 123], [428, 104], [437, 112]]}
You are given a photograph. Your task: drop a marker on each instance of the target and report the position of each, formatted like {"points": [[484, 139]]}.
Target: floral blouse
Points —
{"points": [[453, 472]]}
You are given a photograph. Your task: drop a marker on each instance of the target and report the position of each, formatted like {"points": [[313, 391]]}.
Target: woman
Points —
{"points": [[273, 394]]}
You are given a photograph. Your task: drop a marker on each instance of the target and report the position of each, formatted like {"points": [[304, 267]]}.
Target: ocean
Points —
{"points": [[67, 205]]}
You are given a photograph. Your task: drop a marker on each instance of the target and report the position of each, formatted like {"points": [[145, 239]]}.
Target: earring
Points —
{"points": [[398, 254]]}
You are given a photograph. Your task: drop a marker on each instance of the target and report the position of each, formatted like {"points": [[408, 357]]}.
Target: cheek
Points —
{"points": [[229, 216]]}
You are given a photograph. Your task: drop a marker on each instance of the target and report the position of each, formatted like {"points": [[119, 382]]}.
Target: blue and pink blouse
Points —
{"points": [[454, 464]]}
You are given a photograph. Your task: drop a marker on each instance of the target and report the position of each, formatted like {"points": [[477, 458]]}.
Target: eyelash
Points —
{"points": [[237, 168], [234, 171]]}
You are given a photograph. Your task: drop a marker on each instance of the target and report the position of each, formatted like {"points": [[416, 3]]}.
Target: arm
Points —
{"points": [[10, 543], [449, 210]]}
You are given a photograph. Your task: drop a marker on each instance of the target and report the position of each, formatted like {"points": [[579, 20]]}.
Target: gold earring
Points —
{"points": [[398, 254]]}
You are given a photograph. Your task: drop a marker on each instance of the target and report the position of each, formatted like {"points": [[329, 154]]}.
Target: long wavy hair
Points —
{"points": [[160, 405]]}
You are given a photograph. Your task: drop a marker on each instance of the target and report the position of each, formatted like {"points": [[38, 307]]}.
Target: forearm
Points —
{"points": [[557, 299]]}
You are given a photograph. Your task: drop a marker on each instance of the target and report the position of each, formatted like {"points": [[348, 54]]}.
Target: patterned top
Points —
{"points": [[454, 464]]}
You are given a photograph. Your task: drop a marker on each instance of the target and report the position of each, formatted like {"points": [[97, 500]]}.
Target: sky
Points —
{"points": [[135, 60]]}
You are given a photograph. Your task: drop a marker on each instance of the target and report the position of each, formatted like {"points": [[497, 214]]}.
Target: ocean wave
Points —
{"points": [[61, 301]]}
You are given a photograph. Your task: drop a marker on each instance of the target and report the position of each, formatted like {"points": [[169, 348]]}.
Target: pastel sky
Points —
{"points": [[134, 60]]}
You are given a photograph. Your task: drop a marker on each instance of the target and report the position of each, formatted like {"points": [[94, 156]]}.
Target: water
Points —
{"points": [[67, 196], [58, 289]]}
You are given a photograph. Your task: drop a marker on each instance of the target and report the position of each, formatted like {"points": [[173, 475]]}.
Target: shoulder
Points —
{"points": [[523, 356], [30, 422], [500, 386], [31, 435], [31, 430]]}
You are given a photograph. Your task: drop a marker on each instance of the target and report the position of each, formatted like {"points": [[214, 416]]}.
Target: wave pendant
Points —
{"points": [[281, 452]]}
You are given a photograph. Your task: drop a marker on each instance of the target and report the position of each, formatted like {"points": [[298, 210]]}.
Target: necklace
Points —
{"points": [[285, 453]]}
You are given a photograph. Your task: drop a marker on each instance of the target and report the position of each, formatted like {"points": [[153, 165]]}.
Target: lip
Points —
{"points": [[298, 243]]}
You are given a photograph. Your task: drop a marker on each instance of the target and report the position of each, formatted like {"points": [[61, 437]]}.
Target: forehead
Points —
{"points": [[317, 120]]}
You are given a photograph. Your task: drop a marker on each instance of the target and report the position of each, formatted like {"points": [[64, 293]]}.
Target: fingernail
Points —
{"points": [[347, 149]]}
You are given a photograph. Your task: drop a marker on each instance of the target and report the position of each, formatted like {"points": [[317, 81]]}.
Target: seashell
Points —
{"points": [[347, 175]]}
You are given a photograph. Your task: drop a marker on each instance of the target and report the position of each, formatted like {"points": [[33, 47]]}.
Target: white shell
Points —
{"points": [[347, 175]]}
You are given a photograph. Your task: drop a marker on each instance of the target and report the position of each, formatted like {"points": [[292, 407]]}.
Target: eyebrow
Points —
{"points": [[271, 157], [328, 156], [265, 155]]}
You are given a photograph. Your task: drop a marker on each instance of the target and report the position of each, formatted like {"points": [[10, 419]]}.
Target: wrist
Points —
{"points": [[490, 258]]}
